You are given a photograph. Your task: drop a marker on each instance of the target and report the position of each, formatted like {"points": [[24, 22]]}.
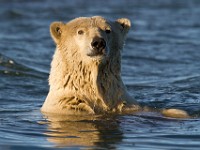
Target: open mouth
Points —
{"points": [[97, 53]]}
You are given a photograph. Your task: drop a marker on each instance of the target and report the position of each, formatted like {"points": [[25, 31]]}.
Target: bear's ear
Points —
{"points": [[125, 23], [56, 30]]}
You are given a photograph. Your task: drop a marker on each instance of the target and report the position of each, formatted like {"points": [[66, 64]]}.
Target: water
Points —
{"points": [[161, 69]]}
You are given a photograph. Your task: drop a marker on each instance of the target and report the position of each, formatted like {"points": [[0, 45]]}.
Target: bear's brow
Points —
{"points": [[90, 22], [82, 24]]}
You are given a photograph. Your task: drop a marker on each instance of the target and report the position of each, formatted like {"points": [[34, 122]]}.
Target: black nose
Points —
{"points": [[98, 44]]}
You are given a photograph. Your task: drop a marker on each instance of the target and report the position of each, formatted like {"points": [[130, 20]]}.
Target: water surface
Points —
{"points": [[160, 67]]}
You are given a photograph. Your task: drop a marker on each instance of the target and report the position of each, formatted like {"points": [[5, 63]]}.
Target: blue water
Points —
{"points": [[160, 66]]}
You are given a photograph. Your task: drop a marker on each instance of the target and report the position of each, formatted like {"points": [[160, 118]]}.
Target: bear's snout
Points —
{"points": [[98, 45]]}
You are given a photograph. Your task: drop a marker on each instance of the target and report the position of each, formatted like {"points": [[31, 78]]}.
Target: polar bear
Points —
{"points": [[85, 75]]}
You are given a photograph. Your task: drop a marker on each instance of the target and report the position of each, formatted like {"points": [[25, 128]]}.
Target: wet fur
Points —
{"points": [[82, 85]]}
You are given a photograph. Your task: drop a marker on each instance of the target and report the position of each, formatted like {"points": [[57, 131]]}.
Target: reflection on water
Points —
{"points": [[83, 131], [130, 131]]}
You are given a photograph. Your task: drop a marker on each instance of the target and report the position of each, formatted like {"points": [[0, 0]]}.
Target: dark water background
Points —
{"points": [[161, 68]]}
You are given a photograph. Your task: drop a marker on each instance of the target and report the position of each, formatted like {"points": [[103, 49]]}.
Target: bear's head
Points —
{"points": [[86, 67], [92, 38]]}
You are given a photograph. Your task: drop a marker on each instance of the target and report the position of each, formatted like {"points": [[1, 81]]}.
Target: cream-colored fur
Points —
{"points": [[81, 81]]}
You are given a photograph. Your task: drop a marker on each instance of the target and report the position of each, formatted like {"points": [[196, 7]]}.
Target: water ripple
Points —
{"points": [[10, 67]]}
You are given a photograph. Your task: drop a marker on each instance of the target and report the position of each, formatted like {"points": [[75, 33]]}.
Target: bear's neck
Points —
{"points": [[92, 82]]}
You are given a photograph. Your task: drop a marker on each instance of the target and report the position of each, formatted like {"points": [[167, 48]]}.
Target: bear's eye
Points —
{"points": [[107, 31], [80, 32]]}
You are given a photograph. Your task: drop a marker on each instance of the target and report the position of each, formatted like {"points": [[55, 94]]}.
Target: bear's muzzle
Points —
{"points": [[98, 46]]}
